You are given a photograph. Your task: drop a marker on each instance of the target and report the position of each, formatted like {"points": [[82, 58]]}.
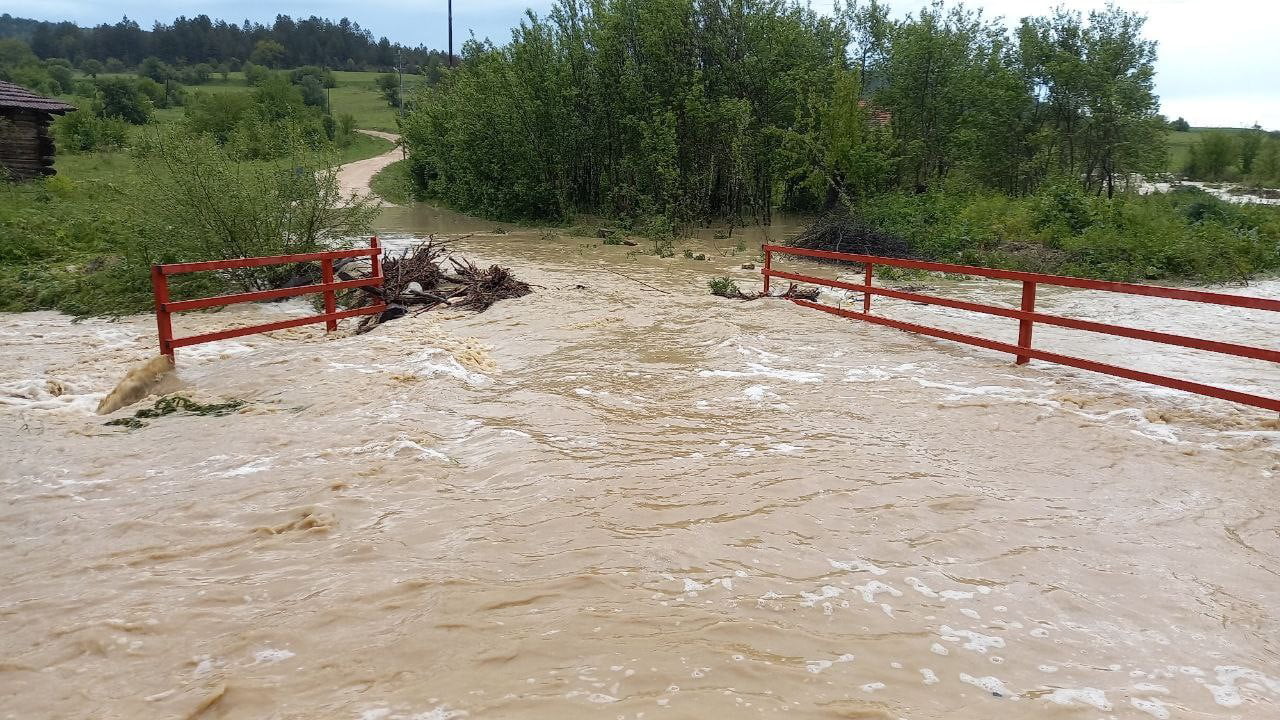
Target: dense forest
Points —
{"points": [[287, 42], [703, 109]]}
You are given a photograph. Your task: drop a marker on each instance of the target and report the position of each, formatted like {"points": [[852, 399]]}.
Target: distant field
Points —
{"points": [[1180, 145], [357, 93]]}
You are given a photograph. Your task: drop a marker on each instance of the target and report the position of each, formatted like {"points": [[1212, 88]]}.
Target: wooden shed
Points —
{"points": [[26, 147]]}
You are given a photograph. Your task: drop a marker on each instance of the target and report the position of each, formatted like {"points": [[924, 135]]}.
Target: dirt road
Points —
{"points": [[354, 178]]}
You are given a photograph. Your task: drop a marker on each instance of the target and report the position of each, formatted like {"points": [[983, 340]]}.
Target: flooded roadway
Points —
{"points": [[609, 501]]}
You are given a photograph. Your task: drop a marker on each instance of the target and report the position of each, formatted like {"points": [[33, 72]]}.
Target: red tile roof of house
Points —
{"points": [[16, 96]]}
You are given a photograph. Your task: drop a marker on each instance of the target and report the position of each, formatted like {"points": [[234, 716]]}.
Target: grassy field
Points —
{"points": [[393, 183], [357, 93], [1180, 145]]}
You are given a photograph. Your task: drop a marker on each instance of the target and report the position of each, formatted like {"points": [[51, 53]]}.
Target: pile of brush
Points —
{"points": [[840, 232], [425, 278]]}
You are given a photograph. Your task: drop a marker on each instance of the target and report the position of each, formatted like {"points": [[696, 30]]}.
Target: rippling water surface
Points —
{"points": [[621, 497]]}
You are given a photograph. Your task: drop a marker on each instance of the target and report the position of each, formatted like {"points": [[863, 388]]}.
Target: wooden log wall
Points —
{"points": [[26, 146]]}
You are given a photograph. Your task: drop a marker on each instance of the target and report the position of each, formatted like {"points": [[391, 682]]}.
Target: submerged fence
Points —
{"points": [[166, 307], [1027, 316]]}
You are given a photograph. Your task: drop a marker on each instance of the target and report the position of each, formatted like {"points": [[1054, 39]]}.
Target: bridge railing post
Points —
{"points": [[1025, 325], [330, 298], [164, 321], [866, 294], [768, 257]]}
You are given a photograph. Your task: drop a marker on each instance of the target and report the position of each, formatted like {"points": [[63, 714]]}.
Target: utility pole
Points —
{"points": [[400, 72], [451, 33]]}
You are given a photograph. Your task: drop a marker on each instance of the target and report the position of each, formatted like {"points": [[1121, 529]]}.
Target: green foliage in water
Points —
{"points": [[724, 287], [172, 404]]}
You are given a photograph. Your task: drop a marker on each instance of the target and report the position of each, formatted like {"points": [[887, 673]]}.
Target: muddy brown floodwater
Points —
{"points": [[605, 501]]}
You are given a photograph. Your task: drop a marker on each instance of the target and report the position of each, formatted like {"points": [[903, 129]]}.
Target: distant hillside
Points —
{"points": [[1180, 144], [287, 42]]}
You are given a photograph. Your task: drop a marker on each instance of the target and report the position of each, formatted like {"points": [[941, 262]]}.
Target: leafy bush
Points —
{"points": [[60, 71], [85, 131], [1186, 234], [218, 114], [389, 86], [724, 287], [255, 74], [313, 93], [123, 98], [325, 77], [156, 70], [205, 203]]}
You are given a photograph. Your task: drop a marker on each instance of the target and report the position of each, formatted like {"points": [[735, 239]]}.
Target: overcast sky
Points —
{"points": [[1219, 59]]}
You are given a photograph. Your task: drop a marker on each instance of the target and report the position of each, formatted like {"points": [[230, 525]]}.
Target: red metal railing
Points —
{"points": [[1027, 316], [165, 307]]}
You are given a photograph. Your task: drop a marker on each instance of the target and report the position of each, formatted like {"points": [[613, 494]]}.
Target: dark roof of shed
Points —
{"points": [[16, 96]]}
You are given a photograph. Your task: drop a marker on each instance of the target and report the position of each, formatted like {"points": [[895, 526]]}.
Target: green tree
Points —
{"points": [[91, 67], [389, 85], [1213, 156], [60, 71], [217, 114], [122, 98], [1250, 143], [267, 52], [155, 69]]}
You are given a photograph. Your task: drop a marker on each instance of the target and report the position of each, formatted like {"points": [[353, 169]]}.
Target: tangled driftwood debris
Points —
{"points": [[426, 278], [725, 287]]}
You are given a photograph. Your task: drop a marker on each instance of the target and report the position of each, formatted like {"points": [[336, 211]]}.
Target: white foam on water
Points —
{"points": [[817, 666], [1152, 707], [1077, 696], [872, 687], [216, 350], [991, 684], [47, 394], [408, 448], [434, 361], [824, 592], [440, 713], [930, 677], [875, 587], [1227, 694], [267, 656], [918, 585], [856, 565], [939, 649], [976, 640], [867, 375], [758, 370], [693, 586], [256, 466]]}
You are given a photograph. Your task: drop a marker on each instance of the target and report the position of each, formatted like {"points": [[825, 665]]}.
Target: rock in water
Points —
{"points": [[139, 382]]}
